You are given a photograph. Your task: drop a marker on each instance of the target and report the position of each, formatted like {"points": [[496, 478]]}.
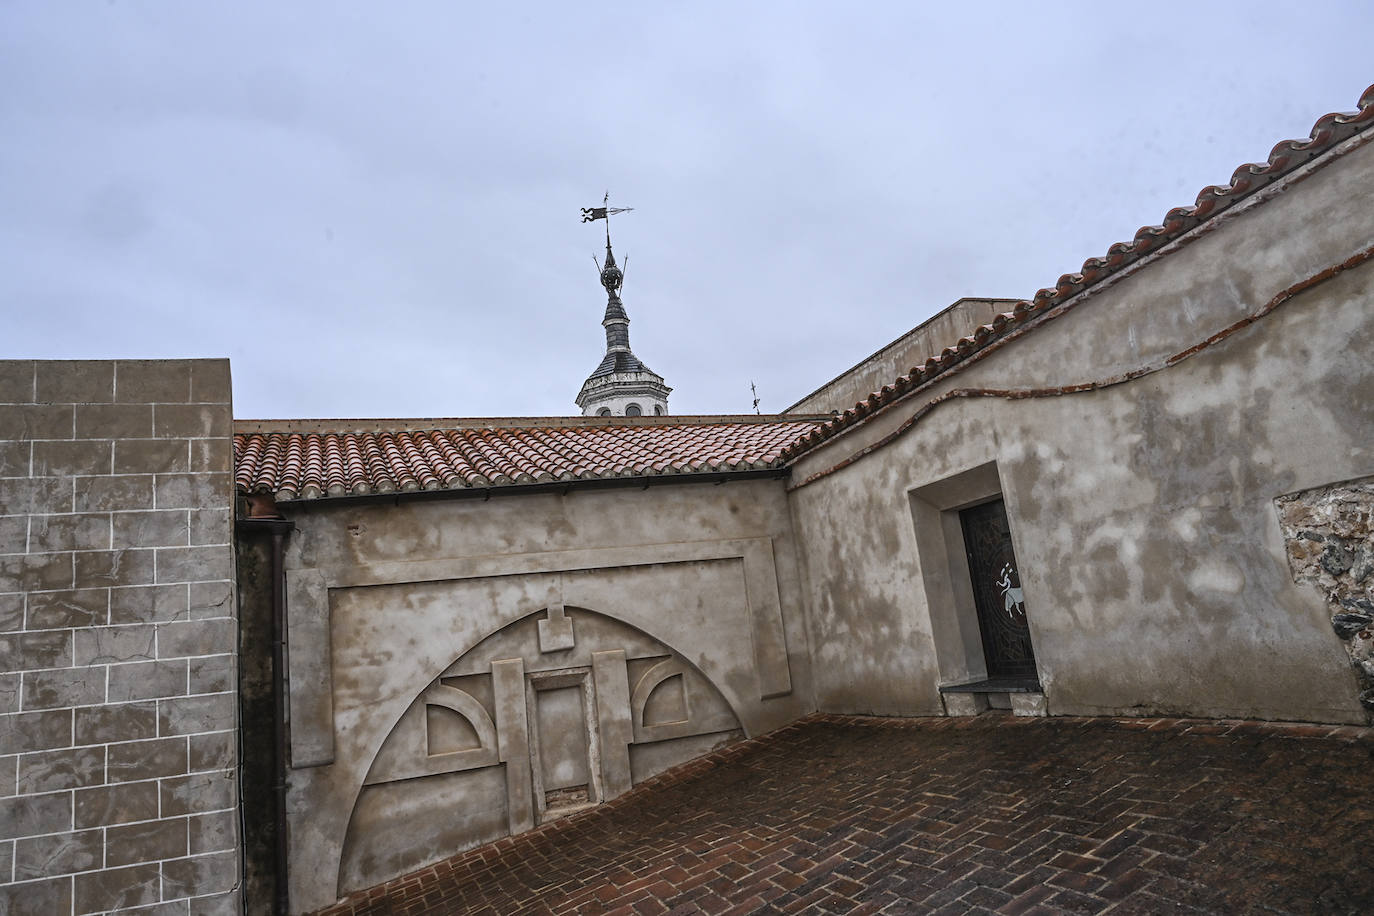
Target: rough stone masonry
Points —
{"points": [[118, 700], [1329, 532]]}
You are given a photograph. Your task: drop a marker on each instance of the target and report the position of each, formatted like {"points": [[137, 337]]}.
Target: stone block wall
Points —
{"points": [[118, 701]]}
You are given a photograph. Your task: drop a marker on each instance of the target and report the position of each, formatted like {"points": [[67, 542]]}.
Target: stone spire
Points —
{"points": [[621, 386]]}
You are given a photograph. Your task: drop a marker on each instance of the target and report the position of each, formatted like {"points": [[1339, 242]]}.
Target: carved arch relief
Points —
{"points": [[523, 727]]}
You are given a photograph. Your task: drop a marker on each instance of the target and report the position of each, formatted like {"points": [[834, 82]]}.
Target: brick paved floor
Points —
{"points": [[993, 814]]}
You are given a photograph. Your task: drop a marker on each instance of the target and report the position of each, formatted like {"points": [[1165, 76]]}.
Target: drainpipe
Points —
{"points": [[263, 515]]}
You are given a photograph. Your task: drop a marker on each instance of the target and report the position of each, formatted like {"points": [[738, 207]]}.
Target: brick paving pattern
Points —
{"points": [[980, 815]]}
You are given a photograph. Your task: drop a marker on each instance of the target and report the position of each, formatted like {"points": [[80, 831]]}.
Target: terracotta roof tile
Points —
{"points": [[311, 465], [1287, 155]]}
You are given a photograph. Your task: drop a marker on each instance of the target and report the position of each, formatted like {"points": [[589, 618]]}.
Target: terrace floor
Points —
{"points": [[988, 814]]}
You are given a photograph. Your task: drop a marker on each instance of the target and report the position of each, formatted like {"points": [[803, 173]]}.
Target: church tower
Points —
{"points": [[621, 386]]}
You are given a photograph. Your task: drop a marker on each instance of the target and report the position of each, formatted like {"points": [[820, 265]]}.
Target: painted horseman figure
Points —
{"points": [[621, 386]]}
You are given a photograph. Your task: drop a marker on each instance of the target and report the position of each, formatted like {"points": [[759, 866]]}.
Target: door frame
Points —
{"points": [[536, 681], [944, 571]]}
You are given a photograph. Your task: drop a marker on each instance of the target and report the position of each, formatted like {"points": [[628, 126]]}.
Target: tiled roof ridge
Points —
{"points": [[1213, 200], [326, 463], [341, 425]]}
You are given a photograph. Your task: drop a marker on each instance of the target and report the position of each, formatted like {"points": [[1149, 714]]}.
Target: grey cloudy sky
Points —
{"points": [[373, 208]]}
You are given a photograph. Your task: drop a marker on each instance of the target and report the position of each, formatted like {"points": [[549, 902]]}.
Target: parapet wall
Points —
{"points": [[118, 700], [897, 358]]}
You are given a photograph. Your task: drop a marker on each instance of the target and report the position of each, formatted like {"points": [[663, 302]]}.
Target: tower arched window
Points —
{"points": [[632, 410], [604, 412], [658, 410]]}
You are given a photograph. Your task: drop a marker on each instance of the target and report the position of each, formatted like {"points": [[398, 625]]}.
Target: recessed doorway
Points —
{"points": [[997, 594]]}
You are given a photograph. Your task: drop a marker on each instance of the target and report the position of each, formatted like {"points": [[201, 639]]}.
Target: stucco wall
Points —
{"points": [[438, 650], [117, 638], [1143, 517]]}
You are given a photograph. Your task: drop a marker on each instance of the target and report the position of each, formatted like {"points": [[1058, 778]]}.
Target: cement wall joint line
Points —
{"points": [[1284, 296], [308, 615]]}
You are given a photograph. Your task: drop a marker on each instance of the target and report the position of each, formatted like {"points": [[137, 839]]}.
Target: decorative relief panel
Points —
{"points": [[558, 724]]}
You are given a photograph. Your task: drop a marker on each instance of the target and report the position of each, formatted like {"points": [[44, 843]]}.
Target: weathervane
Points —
{"points": [[611, 276]]}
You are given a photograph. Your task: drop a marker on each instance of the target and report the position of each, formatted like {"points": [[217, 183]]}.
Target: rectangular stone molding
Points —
{"points": [[513, 740], [613, 717], [770, 643], [760, 573], [311, 695], [556, 631]]}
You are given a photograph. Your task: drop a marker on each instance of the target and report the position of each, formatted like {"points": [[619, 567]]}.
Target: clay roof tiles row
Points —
{"points": [[1287, 155], [309, 465]]}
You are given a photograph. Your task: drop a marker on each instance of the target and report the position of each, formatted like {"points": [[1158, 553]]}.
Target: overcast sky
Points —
{"points": [[372, 208]]}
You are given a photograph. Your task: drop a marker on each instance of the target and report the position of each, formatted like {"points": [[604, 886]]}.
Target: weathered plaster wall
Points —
{"points": [[1152, 562], [911, 349], [117, 638], [462, 668]]}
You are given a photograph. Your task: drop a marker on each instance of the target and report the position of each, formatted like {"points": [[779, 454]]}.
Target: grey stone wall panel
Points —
{"points": [[28, 495], [58, 854], [31, 573], [71, 768], [208, 874], [11, 612], [192, 491], [58, 687], [151, 759], [14, 457], [193, 564], [211, 751], [100, 730], [26, 422], [192, 421], [147, 680], [114, 567], [149, 841], [193, 715], [160, 526], [194, 637], [57, 458], [198, 793], [153, 381], [37, 898], [214, 832], [82, 607], [114, 723], [28, 815], [149, 604], [74, 381], [118, 888], [14, 534], [113, 421], [116, 644], [20, 651], [152, 456], [115, 804], [36, 731], [17, 381], [101, 494]]}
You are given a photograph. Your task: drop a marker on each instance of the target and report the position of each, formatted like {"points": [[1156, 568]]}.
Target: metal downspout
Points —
{"points": [[279, 533]]}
